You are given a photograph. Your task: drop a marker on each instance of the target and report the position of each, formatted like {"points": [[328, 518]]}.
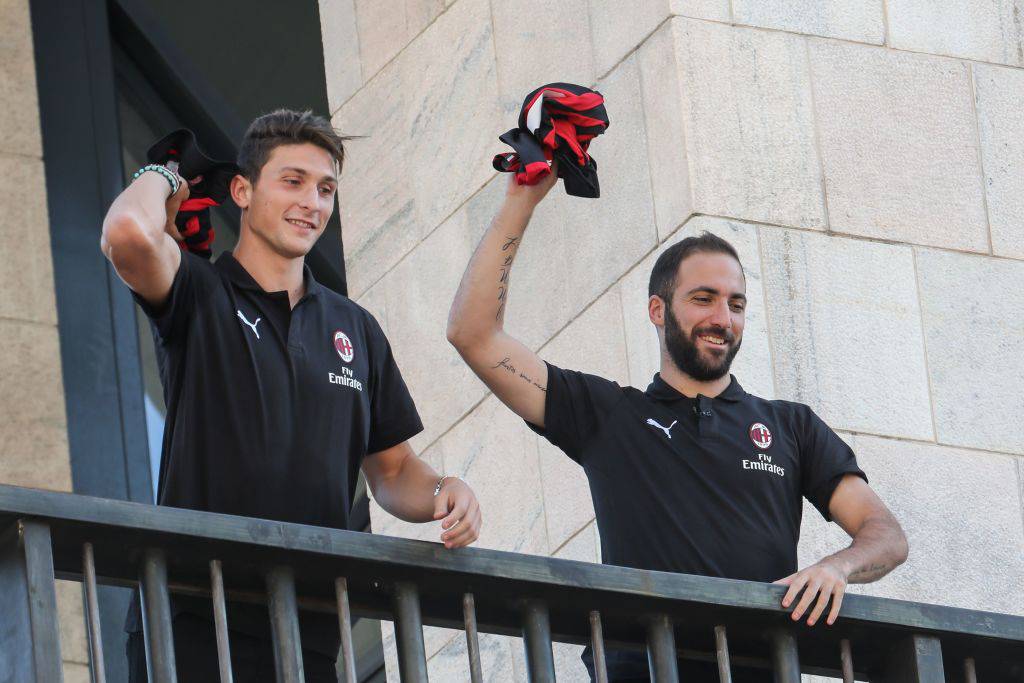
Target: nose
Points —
{"points": [[721, 316], [308, 200]]}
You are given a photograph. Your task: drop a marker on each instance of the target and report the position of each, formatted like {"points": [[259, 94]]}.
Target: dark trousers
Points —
{"points": [[195, 649]]}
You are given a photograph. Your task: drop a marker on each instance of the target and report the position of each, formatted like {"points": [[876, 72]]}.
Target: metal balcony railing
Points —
{"points": [[46, 535]]}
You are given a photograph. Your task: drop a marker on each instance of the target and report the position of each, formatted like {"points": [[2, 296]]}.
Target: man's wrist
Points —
{"points": [[441, 482], [838, 564], [520, 206], [151, 171]]}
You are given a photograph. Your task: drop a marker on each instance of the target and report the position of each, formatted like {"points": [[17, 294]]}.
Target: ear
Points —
{"points": [[656, 310], [241, 191]]}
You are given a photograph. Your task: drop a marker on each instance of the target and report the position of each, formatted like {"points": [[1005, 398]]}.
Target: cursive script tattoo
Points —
{"points": [[505, 364], [523, 376], [869, 573], [509, 247]]}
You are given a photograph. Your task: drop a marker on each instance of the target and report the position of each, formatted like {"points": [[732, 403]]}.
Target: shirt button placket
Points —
{"points": [[705, 417]]}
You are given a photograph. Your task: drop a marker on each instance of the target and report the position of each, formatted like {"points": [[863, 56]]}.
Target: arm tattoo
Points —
{"points": [[505, 364], [869, 573], [509, 247]]}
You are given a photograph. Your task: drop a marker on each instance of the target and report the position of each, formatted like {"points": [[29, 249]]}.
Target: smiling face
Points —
{"points": [[290, 203], [703, 323]]}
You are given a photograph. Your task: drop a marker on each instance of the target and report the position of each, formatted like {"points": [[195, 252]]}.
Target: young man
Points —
{"points": [[278, 389], [693, 475]]}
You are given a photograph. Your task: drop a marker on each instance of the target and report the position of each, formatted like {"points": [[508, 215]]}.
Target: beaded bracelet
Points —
{"points": [[172, 179]]}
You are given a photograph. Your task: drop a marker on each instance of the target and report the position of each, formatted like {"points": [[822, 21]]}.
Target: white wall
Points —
{"points": [[865, 159]]}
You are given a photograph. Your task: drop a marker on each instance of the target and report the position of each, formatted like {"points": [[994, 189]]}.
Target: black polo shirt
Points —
{"points": [[707, 486], [271, 409]]}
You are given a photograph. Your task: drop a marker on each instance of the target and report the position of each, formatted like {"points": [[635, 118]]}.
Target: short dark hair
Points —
{"points": [[287, 127], [663, 275]]}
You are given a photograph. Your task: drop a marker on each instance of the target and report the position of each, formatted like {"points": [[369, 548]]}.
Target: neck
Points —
{"points": [[687, 385], [273, 272]]}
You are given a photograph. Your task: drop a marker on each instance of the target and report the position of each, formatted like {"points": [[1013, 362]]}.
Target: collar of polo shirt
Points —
{"points": [[661, 390], [241, 278]]}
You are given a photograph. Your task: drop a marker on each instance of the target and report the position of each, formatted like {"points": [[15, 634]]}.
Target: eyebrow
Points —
{"points": [[712, 290], [303, 172]]}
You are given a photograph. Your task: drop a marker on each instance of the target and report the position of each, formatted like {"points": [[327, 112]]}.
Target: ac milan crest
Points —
{"points": [[343, 345], [760, 435]]}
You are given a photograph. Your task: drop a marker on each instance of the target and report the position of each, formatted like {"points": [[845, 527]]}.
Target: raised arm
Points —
{"points": [[139, 236], [513, 372]]}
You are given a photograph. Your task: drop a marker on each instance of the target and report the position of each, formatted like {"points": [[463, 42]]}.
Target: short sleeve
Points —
{"points": [[190, 283], [576, 405], [824, 460], [393, 415]]}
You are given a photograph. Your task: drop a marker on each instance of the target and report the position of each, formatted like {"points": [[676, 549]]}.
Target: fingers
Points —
{"points": [[809, 594], [786, 581], [817, 590], [466, 530], [819, 607], [796, 584], [458, 510], [837, 600]]}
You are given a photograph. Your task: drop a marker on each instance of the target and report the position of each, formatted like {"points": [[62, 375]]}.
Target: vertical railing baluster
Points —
{"points": [[472, 638], [970, 673], [846, 657], [92, 615], [42, 594], [661, 650], [785, 657], [30, 646], [540, 660], [915, 659], [597, 645], [156, 618], [348, 654], [412, 657], [284, 625], [722, 655], [220, 622]]}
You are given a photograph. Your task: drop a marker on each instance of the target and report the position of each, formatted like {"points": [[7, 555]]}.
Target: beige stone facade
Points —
{"points": [[864, 158], [33, 429]]}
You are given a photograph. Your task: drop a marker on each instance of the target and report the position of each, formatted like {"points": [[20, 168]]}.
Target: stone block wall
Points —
{"points": [[864, 158], [33, 426]]}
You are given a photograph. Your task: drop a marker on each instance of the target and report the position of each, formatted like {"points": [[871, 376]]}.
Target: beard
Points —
{"points": [[683, 350]]}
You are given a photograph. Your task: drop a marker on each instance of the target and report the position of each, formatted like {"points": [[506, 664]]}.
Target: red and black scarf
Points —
{"points": [[193, 219], [556, 128]]}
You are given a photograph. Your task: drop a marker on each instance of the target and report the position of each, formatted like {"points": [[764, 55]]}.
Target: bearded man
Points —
{"points": [[693, 475]]}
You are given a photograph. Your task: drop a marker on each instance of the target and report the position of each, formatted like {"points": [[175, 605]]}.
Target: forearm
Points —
{"points": [[139, 212], [479, 306], [408, 493], [877, 548]]}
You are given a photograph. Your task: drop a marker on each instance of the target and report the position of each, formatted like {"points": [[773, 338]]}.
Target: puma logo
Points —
{"points": [[654, 423], [252, 325]]}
